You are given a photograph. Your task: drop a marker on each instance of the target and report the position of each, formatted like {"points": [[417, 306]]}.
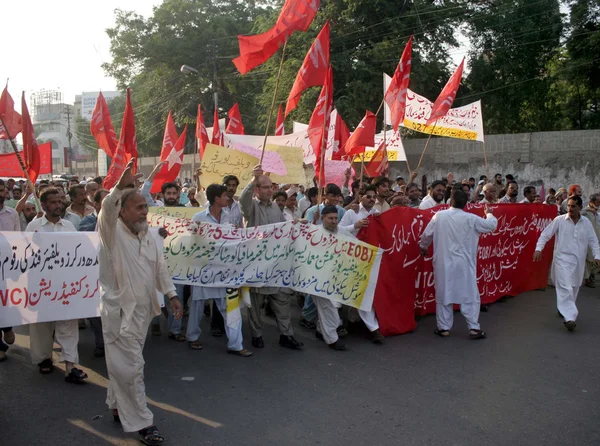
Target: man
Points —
{"points": [[9, 221], [489, 194], [498, 183], [331, 197], [66, 215], [257, 212], [574, 190], [132, 269], [382, 184], [591, 212], [512, 192], [17, 193], [79, 205], [399, 183], [91, 187], [218, 198], [455, 235], [291, 211], [231, 182], [329, 319], [414, 195], [279, 198], [191, 195], [574, 236], [529, 193], [308, 201], [300, 192], [435, 196], [171, 194], [66, 333]]}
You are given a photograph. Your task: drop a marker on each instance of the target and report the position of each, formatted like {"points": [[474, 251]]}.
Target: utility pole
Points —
{"points": [[69, 135], [215, 77]]}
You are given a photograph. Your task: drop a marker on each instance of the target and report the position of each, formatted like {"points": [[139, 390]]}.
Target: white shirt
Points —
{"points": [[570, 248], [9, 219], [506, 199], [132, 268], [455, 235], [43, 225], [428, 203], [291, 215], [303, 205], [350, 218]]}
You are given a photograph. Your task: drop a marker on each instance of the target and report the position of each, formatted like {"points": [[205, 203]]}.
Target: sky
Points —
{"points": [[59, 45]]}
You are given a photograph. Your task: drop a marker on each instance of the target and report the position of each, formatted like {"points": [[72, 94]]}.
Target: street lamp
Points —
{"points": [[186, 69]]}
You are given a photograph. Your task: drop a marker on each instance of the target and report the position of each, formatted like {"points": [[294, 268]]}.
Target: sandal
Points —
{"points": [[156, 330], [341, 332], [216, 332], [177, 337], [116, 418], [195, 345], [151, 436], [76, 376], [477, 334], [243, 352], [46, 366], [442, 333]]}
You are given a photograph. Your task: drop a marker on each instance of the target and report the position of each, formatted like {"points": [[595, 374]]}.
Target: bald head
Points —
{"points": [[489, 193], [264, 188], [134, 211]]}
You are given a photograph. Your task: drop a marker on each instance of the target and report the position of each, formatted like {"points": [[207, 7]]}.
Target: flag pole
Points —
{"points": [[426, 145], [487, 169], [16, 150], [323, 150], [273, 102]]}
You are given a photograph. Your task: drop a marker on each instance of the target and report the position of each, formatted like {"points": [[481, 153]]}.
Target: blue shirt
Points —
{"points": [[88, 223], [310, 213]]}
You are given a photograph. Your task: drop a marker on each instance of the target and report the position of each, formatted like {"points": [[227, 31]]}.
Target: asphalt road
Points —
{"points": [[530, 383]]}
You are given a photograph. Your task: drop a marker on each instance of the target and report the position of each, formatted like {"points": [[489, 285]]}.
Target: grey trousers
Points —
{"points": [[281, 306]]}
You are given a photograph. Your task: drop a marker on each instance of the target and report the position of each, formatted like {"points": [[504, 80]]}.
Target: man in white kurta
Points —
{"points": [[455, 235], [132, 269], [574, 235], [435, 196], [66, 333], [351, 223]]}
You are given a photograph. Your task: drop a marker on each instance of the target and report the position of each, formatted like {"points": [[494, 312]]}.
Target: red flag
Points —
{"points": [[126, 149], [296, 15], [340, 137], [319, 121], [169, 140], [379, 163], [174, 158], [235, 125], [31, 152], [217, 137], [101, 127], [279, 128], [10, 166], [446, 98], [12, 120], [313, 70], [201, 133], [362, 137], [395, 96]]}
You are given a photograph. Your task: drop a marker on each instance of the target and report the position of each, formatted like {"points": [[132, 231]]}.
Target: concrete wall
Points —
{"points": [[553, 158]]}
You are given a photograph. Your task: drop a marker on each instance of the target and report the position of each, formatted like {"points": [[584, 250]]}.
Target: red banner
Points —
{"points": [[10, 167], [504, 260]]}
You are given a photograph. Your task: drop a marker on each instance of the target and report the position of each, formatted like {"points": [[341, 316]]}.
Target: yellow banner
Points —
{"points": [[440, 131], [368, 156], [218, 162], [293, 159]]}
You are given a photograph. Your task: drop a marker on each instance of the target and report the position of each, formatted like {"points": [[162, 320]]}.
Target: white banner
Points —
{"points": [[464, 122], [48, 277], [303, 257]]}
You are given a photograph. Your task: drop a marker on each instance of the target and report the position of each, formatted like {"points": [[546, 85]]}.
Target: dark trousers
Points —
{"points": [[216, 321], [96, 324], [3, 346]]}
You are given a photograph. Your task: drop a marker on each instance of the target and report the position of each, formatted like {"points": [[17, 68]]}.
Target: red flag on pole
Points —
{"points": [[319, 121], [362, 137], [395, 96], [102, 129], [126, 149], [12, 120], [201, 133], [313, 70], [280, 127], [169, 140], [446, 98], [235, 125], [31, 152], [217, 137], [174, 158], [379, 163], [296, 15], [340, 137]]}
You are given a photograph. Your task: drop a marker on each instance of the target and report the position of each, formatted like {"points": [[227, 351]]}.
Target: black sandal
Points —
{"points": [[76, 376], [216, 332], [478, 334], [442, 333], [46, 366], [151, 436], [116, 418]]}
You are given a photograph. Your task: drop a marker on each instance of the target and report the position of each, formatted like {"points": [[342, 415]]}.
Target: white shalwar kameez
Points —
{"points": [[428, 203], [570, 251], [455, 235], [131, 270]]}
